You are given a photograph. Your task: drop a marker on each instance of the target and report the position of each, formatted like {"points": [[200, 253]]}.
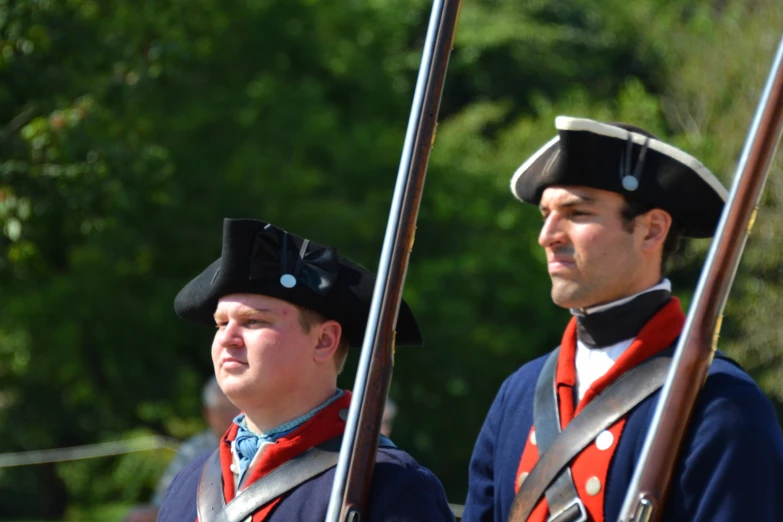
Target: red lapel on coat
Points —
{"points": [[592, 464], [325, 425]]}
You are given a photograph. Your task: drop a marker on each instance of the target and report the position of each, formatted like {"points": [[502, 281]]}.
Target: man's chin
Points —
{"points": [[567, 298], [234, 383], [240, 393]]}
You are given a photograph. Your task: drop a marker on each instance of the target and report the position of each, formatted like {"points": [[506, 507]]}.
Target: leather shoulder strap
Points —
{"points": [[561, 495], [602, 412], [209, 496], [211, 505]]}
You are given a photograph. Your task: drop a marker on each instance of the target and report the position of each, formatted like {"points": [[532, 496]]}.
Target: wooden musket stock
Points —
{"points": [[646, 495], [350, 492]]}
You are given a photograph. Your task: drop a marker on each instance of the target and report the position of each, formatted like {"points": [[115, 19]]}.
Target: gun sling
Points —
{"points": [[212, 507], [551, 475]]}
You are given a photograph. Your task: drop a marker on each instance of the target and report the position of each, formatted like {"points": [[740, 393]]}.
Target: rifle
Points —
{"points": [[351, 487], [647, 493]]}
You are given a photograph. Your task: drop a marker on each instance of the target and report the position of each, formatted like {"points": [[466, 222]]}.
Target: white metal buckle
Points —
{"points": [[567, 514]]}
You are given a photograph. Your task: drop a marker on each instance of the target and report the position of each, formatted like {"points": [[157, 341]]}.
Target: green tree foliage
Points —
{"points": [[712, 99], [128, 130]]}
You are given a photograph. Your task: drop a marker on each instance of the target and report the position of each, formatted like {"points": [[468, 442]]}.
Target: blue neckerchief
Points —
{"points": [[247, 443]]}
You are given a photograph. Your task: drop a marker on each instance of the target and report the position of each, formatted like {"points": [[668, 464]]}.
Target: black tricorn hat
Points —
{"points": [[259, 258], [627, 160]]}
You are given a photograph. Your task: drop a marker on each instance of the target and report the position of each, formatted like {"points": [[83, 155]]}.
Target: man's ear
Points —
{"points": [[329, 334], [657, 223]]}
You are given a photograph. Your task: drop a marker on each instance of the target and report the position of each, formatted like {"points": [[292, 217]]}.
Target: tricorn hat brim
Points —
{"points": [[599, 155], [255, 258]]}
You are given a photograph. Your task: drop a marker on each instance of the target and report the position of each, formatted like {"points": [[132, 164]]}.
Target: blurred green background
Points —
{"points": [[128, 130]]}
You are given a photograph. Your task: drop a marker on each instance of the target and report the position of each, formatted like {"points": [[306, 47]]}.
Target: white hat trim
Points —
{"points": [[521, 170], [582, 124]]}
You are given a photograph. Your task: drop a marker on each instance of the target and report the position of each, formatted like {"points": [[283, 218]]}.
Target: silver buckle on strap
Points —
{"points": [[574, 512]]}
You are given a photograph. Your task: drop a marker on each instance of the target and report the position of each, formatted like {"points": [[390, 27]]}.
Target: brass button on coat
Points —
{"points": [[593, 486]]}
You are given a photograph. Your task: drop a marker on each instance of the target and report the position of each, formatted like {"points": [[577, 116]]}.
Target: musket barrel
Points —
{"points": [[357, 454], [647, 493]]}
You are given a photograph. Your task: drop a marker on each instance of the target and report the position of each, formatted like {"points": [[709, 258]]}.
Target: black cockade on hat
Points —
{"points": [[629, 161], [259, 258], [274, 254]]}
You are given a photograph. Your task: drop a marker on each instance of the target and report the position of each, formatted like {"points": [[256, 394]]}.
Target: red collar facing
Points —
{"points": [[324, 425], [658, 334]]}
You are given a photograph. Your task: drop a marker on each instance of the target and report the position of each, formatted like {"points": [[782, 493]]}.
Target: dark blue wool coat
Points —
{"points": [[730, 468], [402, 491]]}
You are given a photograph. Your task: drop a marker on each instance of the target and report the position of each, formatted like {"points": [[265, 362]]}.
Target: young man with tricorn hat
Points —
{"points": [[286, 310], [614, 200]]}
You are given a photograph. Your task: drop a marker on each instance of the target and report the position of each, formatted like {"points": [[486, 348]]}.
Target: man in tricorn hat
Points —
{"points": [[614, 200], [286, 310]]}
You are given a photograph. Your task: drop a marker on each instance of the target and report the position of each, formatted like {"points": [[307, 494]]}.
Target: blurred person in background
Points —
{"points": [[286, 311], [389, 414], [614, 202], [218, 412]]}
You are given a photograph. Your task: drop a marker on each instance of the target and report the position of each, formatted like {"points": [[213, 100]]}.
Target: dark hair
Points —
{"points": [[634, 208]]}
